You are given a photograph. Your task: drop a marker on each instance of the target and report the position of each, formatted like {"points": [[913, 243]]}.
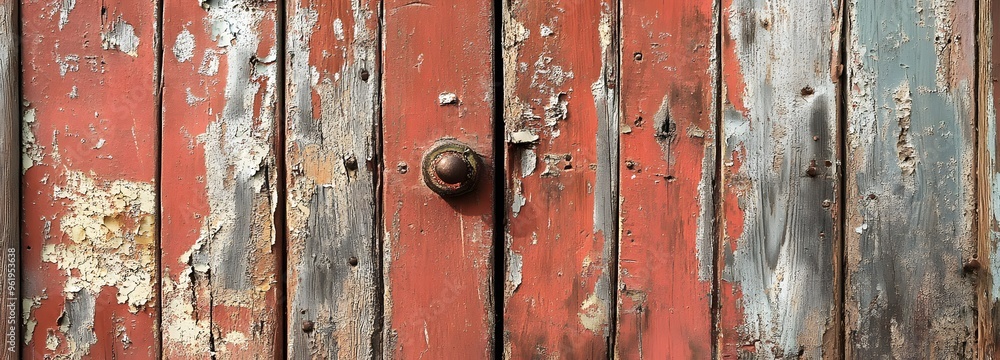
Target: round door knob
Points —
{"points": [[451, 168]]}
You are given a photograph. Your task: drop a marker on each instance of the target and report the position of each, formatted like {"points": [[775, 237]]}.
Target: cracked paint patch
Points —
{"points": [[31, 151], [110, 225]]}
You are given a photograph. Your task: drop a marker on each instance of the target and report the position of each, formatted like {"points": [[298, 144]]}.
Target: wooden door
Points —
{"points": [[516, 179]]}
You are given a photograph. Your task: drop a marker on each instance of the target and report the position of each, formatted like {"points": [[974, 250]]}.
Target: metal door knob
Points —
{"points": [[451, 168]]}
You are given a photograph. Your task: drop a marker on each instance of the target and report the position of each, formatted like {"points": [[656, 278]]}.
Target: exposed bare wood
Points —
{"points": [[333, 106], [10, 180]]}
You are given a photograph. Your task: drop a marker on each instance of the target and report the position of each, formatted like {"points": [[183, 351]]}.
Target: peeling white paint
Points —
{"points": [[447, 98], [121, 36], [64, 11], [184, 46], [338, 29]]}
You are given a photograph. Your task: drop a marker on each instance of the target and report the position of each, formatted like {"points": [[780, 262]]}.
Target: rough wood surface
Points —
{"points": [[220, 279], [910, 184], [332, 166], [988, 191], [667, 167], [438, 253], [89, 157], [779, 257], [10, 180], [561, 154]]}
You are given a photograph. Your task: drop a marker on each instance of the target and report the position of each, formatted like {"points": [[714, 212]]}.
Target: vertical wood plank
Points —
{"points": [[90, 158], [910, 187], [10, 180], [779, 253], [667, 166], [220, 278], [438, 252], [560, 71], [333, 263], [988, 170]]}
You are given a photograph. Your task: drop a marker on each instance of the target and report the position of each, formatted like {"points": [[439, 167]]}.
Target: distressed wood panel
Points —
{"points": [[10, 180], [219, 253], [668, 158], [560, 71], [987, 253], [90, 158], [332, 162], [438, 253], [779, 253], [910, 188]]}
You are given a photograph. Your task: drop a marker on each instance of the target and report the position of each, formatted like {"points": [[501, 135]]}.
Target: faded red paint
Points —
{"points": [[80, 93], [665, 303], [195, 98], [438, 253], [558, 276]]}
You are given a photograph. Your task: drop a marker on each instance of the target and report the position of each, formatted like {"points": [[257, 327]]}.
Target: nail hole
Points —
{"points": [[637, 56]]}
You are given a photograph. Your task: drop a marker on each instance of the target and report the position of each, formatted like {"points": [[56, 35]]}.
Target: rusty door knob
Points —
{"points": [[451, 168]]}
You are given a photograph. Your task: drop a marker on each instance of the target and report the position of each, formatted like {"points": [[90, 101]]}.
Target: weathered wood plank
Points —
{"points": [[668, 158], [10, 180], [438, 252], [219, 252], [560, 70], [90, 158], [332, 161], [910, 187], [779, 256], [987, 262]]}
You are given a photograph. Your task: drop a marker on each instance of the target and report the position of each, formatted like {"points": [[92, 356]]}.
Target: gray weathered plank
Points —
{"points": [[778, 293], [10, 177], [332, 108], [910, 202]]}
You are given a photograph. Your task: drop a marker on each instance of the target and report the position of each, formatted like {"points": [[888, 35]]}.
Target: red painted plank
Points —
{"points": [[779, 252], [10, 180], [89, 188], [667, 170], [437, 252], [219, 275], [560, 64], [333, 107]]}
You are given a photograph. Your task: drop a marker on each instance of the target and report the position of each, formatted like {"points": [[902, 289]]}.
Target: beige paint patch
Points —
{"points": [[593, 313], [110, 228], [31, 152]]}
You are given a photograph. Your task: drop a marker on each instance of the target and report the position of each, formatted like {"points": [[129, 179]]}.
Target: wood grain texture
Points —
{"points": [[779, 255], [90, 158], [987, 262], [438, 253], [220, 278], [333, 105], [560, 71], [10, 180], [910, 184], [667, 167]]}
